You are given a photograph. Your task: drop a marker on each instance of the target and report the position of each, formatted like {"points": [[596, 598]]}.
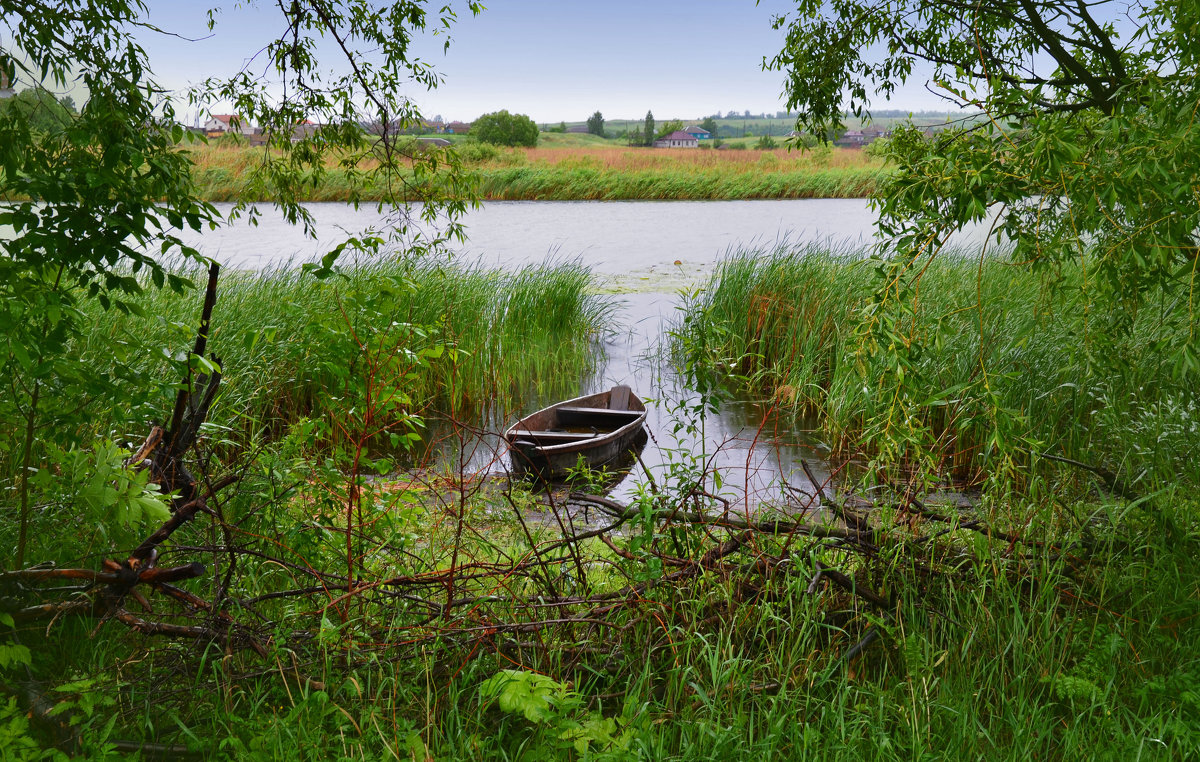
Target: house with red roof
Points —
{"points": [[225, 124]]}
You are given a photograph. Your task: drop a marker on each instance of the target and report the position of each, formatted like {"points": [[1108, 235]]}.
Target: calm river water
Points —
{"points": [[611, 237], [634, 247]]}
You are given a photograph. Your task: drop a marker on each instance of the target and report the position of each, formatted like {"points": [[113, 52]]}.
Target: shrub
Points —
{"points": [[878, 148], [477, 153], [504, 129]]}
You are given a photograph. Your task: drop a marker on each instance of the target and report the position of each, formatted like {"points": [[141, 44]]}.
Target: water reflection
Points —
{"points": [[747, 453]]}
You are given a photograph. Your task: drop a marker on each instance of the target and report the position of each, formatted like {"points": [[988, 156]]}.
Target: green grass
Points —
{"points": [[1092, 655], [586, 167], [1084, 647], [558, 183], [291, 345], [539, 183], [515, 333], [570, 139]]}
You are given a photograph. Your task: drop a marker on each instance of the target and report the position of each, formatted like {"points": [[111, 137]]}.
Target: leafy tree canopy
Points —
{"points": [[95, 200], [668, 127], [96, 195], [38, 107], [504, 129], [595, 124], [1089, 148]]}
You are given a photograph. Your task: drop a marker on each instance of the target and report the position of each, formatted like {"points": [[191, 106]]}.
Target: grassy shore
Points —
{"points": [[597, 170], [348, 612], [448, 616]]}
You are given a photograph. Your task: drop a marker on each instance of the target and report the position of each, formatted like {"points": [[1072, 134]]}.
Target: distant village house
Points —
{"points": [[225, 124], [699, 133], [858, 138], [219, 125], [677, 139], [305, 130]]}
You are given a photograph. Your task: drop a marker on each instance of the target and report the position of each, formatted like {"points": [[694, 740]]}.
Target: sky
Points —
{"points": [[551, 60]]}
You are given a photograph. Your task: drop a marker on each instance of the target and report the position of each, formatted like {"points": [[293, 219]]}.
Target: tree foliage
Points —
{"points": [[369, 82], [38, 107], [1084, 156], [1088, 135], [648, 129], [96, 200], [504, 129], [595, 124], [667, 128]]}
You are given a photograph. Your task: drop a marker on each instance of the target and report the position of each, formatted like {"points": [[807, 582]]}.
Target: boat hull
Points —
{"points": [[598, 429]]}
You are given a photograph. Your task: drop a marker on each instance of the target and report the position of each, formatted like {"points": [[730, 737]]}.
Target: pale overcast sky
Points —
{"points": [[552, 60]]}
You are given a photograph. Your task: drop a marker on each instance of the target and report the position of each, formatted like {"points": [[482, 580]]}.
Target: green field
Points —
{"points": [[570, 167]]}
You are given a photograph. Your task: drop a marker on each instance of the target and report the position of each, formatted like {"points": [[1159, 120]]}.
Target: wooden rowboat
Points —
{"points": [[599, 428]]}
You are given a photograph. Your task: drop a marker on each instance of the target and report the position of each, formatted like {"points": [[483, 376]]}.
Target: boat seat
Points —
{"points": [[570, 415], [555, 437]]}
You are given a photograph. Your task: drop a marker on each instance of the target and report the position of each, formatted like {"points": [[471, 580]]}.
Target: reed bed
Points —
{"points": [[792, 315], [289, 343], [588, 184], [386, 612]]}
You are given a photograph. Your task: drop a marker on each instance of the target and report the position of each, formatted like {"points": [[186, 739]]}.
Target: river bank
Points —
{"points": [[591, 173]]}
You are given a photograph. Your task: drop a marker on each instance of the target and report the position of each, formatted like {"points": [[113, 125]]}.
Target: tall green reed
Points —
{"points": [[575, 182], [985, 335], [286, 340]]}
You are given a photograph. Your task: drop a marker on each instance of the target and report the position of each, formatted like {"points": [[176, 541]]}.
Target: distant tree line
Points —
{"points": [[733, 124]]}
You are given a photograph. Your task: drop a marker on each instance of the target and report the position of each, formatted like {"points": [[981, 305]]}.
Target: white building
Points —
{"points": [[221, 124], [677, 139]]}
